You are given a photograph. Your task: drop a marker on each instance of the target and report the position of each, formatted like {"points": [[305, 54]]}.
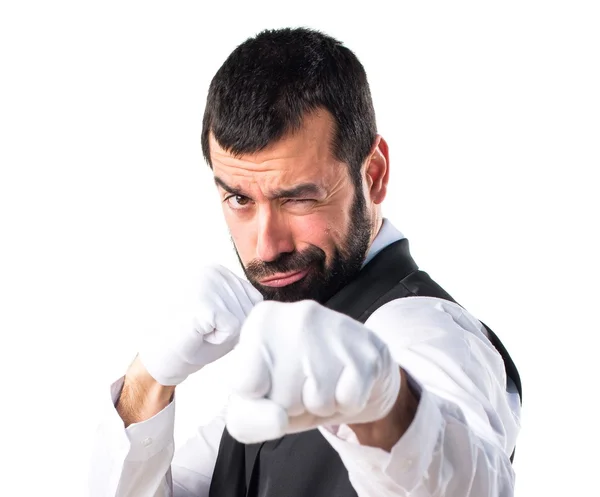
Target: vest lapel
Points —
{"points": [[375, 280]]}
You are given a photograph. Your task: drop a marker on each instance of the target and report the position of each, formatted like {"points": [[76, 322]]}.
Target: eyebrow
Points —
{"points": [[301, 190], [227, 188]]}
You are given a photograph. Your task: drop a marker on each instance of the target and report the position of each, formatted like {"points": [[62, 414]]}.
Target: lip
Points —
{"points": [[284, 279]]}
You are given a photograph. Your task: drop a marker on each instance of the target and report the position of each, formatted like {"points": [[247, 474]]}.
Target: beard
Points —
{"points": [[322, 280]]}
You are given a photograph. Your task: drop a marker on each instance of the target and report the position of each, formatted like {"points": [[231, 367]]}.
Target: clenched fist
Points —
{"points": [[209, 330], [301, 365]]}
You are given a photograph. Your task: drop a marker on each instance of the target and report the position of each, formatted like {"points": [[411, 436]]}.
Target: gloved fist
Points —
{"points": [[209, 331], [301, 365]]}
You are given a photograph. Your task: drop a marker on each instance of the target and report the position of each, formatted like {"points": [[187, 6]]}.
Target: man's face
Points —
{"points": [[300, 227]]}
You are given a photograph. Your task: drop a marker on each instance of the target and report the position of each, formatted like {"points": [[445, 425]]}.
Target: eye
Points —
{"points": [[237, 201], [300, 205]]}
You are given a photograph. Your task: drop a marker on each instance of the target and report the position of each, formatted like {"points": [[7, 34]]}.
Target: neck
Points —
{"points": [[376, 222]]}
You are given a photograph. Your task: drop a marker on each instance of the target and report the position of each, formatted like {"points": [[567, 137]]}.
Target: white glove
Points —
{"points": [[301, 365], [209, 331]]}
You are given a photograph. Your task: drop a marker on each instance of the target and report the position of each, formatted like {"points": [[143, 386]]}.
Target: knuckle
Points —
{"points": [[304, 312], [370, 362], [260, 315], [371, 367], [212, 271]]}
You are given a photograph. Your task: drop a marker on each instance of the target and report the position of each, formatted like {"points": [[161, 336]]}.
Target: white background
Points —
{"points": [[492, 114]]}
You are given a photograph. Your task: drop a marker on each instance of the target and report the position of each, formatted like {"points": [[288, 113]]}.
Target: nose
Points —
{"points": [[274, 235]]}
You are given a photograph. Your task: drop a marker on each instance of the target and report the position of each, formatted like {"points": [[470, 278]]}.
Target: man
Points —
{"points": [[355, 373]]}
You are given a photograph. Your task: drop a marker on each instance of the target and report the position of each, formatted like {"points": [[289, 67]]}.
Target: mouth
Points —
{"points": [[284, 279]]}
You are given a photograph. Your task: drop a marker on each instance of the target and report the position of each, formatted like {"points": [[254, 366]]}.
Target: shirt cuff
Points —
{"points": [[147, 438], [409, 458]]}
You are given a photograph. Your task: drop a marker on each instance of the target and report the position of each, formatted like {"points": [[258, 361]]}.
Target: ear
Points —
{"points": [[377, 170]]}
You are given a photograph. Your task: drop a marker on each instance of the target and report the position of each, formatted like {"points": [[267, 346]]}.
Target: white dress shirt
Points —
{"points": [[458, 444]]}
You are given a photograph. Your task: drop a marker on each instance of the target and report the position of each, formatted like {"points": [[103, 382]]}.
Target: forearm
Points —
{"points": [[439, 454], [386, 432], [132, 461], [464, 429], [142, 396]]}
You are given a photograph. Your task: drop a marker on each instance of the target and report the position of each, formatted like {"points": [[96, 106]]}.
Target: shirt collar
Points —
{"points": [[387, 235]]}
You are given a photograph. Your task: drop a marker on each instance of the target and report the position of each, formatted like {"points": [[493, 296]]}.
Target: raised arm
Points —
{"points": [[467, 420], [134, 451]]}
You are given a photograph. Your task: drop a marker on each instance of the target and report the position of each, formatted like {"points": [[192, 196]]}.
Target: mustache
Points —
{"points": [[285, 263]]}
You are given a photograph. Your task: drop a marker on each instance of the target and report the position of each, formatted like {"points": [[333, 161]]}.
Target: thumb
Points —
{"points": [[255, 420], [225, 326]]}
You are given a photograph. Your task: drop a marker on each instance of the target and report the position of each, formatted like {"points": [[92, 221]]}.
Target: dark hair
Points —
{"points": [[269, 82]]}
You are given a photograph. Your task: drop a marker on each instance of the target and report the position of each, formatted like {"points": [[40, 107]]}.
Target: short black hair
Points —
{"points": [[272, 80]]}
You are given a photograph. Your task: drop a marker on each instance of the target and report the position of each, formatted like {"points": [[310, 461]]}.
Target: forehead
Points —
{"points": [[305, 155]]}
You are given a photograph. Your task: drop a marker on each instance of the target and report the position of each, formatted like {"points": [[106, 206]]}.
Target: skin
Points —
{"points": [[285, 198], [266, 222]]}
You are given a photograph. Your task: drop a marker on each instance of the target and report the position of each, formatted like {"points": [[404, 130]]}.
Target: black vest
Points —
{"points": [[304, 464]]}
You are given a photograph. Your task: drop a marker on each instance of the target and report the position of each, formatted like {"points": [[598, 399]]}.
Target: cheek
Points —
{"points": [[325, 229], [243, 235]]}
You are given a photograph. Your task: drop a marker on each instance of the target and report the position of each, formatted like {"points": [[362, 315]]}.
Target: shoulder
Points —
{"points": [[426, 315]]}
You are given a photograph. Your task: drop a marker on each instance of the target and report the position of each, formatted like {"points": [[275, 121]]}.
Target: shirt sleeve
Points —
{"points": [[467, 419], [140, 460]]}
